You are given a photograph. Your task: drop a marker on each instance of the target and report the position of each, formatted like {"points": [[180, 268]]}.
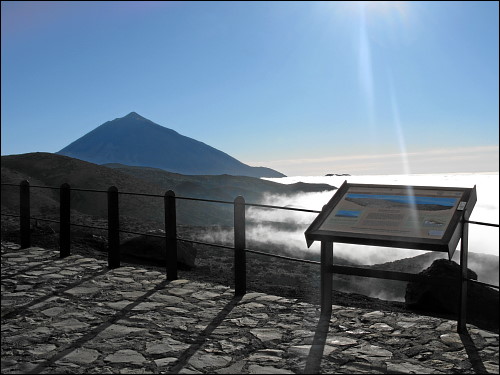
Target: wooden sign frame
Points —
{"points": [[403, 216], [381, 215]]}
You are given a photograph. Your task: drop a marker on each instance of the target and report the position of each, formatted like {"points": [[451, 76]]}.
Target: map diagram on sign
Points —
{"points": [[423, 213]]}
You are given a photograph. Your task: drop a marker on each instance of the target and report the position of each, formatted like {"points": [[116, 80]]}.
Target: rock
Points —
{"points": [[152, 250], [82, 356], [482, 301], [127, 356], [438, 298]]}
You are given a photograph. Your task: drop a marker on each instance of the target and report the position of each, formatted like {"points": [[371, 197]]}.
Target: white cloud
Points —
{"points": [[481, 239]]}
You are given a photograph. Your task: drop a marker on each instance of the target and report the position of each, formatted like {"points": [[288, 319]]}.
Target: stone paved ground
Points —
{"points": [[74, 315]]}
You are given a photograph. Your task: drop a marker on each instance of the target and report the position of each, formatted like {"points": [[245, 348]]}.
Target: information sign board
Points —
{"points": [[415, 217]]}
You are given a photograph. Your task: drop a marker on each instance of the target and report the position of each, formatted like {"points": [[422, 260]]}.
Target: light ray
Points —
{"points": [[365, 69]]}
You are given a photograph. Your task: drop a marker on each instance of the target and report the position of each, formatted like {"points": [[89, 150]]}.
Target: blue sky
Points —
{"points": [[307, 88]]}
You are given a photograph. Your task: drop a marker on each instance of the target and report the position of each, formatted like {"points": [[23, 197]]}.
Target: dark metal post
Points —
{"points": [[113, 229], [240, 267], [64, 221], [326, 277], [464, 249], [171, 235], [24, 212]]}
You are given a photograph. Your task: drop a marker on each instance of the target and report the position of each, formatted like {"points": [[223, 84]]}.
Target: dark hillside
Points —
{"points": [[220, 187], [47, 169]]}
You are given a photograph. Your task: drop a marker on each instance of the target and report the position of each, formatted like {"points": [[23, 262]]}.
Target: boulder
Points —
{"points": [[152, 250], [482, 301], [443, 297]]}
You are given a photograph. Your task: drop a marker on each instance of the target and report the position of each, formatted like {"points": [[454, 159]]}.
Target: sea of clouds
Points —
{"points": [[482, 239]]}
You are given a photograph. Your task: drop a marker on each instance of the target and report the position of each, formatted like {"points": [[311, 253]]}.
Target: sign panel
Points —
{"points": [[418, 217]]}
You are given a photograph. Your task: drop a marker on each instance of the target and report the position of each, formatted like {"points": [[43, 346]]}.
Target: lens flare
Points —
{"points": [[365, 69]]}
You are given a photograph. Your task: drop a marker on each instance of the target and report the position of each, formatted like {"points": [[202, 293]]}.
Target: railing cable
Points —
{"points": [[282, 257], [201, 242]]}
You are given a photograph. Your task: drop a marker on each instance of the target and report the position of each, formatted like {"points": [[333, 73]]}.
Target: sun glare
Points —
{"points": [[390, 9], [383, 5], [381, 14]]}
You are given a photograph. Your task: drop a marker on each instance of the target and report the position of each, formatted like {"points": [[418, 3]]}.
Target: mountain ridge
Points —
{"points": [[51, 170], [136, 141]]}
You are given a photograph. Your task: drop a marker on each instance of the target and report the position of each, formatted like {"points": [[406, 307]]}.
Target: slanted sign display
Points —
{"points": [[415, 217]]}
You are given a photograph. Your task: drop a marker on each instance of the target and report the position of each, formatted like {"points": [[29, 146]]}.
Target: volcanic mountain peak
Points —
{"points": [[136, 141], [135, 115]]}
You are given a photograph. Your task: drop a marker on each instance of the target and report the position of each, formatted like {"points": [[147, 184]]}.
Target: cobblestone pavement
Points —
{"points": [[74, 315]]}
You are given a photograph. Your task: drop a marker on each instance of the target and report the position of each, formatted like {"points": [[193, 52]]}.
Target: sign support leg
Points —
{"points": [[326, 277], [464, 249]]}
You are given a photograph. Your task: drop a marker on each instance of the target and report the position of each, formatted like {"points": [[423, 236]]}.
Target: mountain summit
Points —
{"points": [[136, 141]]}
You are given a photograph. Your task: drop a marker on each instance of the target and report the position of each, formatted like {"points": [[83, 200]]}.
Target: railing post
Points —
{"points": [[113, 229], [240, 271], [326, 277], [64, 221], [171, 235], [24, 212]]}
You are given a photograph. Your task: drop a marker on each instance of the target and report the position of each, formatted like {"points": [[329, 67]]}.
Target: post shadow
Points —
{"points": [[472, 353], [313, 362], [204, 335], [78, 343], [21, 309]]}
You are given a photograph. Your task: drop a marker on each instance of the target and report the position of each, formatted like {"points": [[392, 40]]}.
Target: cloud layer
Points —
{"points": [[444, 160], [481, 239]]}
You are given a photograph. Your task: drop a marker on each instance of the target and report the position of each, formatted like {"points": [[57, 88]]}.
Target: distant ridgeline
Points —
{"points": [[136, 141], [45, 169]]}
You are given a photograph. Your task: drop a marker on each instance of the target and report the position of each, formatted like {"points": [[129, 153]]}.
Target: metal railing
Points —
{"points": [[171, 236]]}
